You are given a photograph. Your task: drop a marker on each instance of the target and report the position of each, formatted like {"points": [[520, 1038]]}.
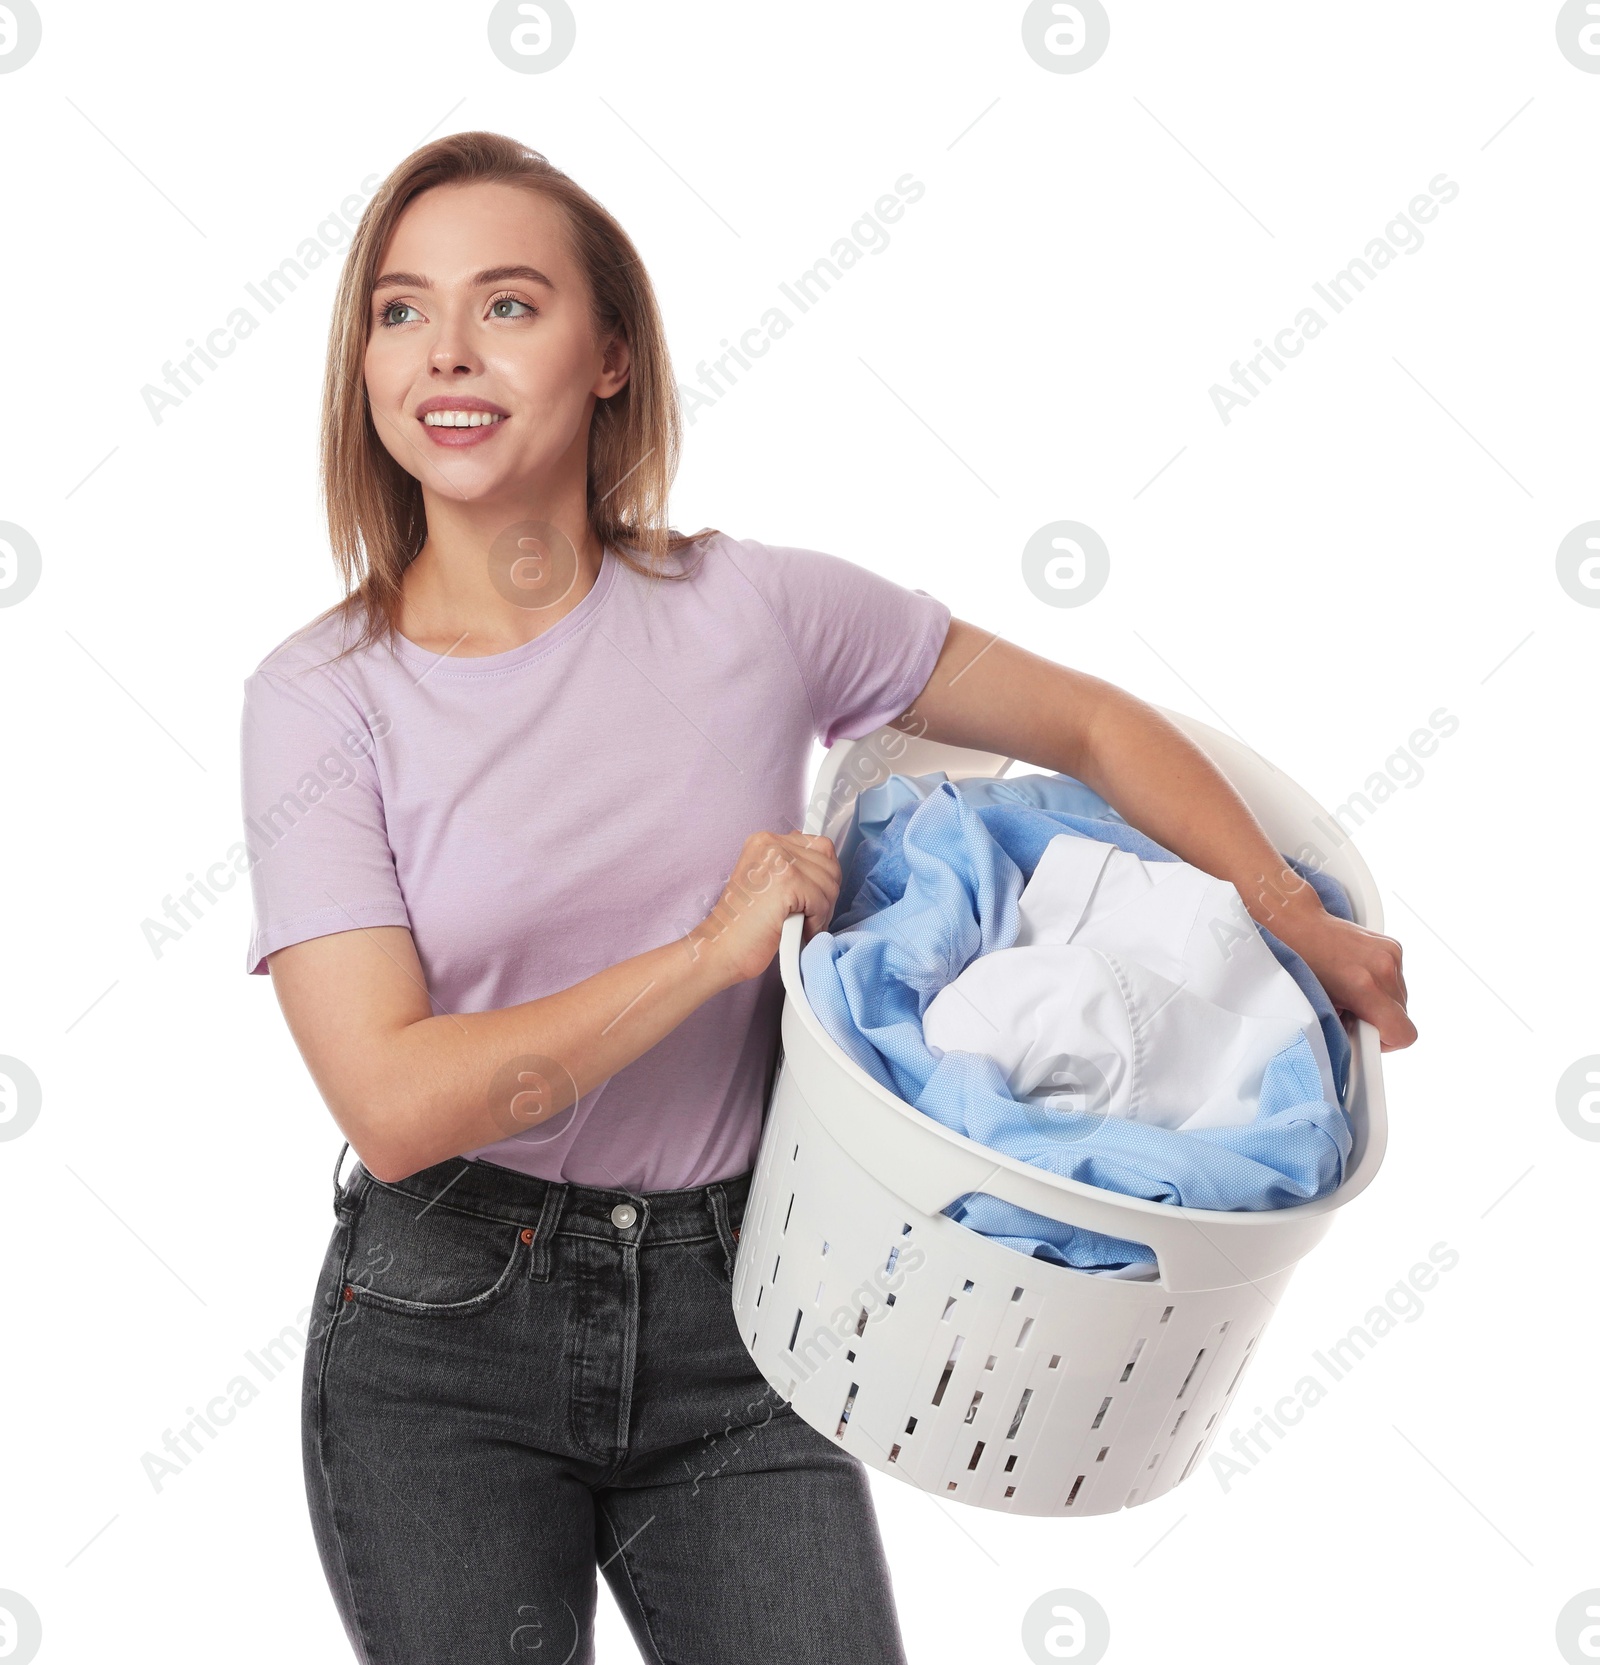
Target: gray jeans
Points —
{"points": [[512, 1382]]}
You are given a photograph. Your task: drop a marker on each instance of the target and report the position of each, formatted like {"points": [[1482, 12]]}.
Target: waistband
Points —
{"points": [[553, 1207]]}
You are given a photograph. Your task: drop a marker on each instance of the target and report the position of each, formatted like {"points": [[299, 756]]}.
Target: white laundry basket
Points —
{"points": [[955, 1363]]}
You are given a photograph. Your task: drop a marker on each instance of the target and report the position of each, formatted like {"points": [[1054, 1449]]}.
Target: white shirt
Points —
{"points": [[1135, 988]]}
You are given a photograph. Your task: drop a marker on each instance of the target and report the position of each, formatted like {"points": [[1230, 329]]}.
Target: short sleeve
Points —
{"points": [[865, 646], [318, 849]]}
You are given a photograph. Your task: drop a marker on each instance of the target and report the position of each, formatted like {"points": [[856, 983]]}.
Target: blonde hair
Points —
{"points": [[376, 519]]}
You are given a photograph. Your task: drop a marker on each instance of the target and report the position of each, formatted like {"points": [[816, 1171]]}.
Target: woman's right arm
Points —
{"points": [[409, 1088]]}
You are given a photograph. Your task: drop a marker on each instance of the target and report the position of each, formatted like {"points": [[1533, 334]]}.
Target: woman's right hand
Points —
{"points": [[777, 874]]}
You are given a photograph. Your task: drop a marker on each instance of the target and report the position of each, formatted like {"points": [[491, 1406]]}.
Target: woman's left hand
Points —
{"points": [[1360, 969]]}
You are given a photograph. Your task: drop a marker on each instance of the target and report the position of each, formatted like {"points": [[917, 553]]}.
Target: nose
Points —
{"points": [[452, 350]]}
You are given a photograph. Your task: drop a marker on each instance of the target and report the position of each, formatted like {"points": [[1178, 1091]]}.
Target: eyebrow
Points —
{"points": [[494, 274]]}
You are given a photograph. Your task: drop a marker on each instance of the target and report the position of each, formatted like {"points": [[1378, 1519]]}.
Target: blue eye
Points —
{"points": [[394, 306]]}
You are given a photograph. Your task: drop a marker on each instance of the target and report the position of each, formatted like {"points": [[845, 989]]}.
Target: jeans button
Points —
{"points": [[624, 1214]]}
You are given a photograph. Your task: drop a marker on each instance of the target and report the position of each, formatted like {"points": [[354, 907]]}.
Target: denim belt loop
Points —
{"points": [[544, 1233], [338, 1189], [723, 1219]]}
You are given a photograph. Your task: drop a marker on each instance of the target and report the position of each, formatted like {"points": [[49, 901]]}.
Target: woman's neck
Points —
{"points": [[470, 594]]}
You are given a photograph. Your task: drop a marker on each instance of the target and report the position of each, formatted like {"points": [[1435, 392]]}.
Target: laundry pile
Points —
{"points": [[1015, 960]]}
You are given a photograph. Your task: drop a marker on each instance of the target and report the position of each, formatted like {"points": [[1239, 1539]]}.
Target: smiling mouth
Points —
{"points": [[461, 419]]}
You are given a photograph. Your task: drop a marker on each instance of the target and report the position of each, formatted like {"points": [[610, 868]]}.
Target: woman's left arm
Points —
{"points": [[994, 696]]}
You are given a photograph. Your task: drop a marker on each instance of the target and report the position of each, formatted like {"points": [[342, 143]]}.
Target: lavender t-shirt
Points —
{"points": [[538, 815]]}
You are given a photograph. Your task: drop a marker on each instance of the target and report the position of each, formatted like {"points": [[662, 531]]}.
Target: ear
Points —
{"points": [[614, 368]]}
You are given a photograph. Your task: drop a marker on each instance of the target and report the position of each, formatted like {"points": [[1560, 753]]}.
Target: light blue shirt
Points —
{"points": [[932, 869]]}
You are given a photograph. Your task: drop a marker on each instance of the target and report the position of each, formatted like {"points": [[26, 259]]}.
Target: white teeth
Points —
{"points": [[460, 419]]}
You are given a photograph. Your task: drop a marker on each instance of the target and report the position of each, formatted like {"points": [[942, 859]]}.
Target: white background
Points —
{"points": [[1372, 539]]}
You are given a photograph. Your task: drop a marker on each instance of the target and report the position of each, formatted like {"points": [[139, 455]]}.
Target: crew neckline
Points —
{"points": [[490, 664]]}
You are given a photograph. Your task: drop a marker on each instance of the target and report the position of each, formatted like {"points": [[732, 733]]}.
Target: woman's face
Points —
{"points": [[480, 310]]}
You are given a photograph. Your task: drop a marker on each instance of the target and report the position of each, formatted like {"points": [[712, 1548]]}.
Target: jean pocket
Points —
{"points": [[711, 1257], [428, 1259]]}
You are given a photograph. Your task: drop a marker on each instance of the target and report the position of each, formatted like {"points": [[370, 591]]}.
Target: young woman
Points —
{"points": [[523, 813]]}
